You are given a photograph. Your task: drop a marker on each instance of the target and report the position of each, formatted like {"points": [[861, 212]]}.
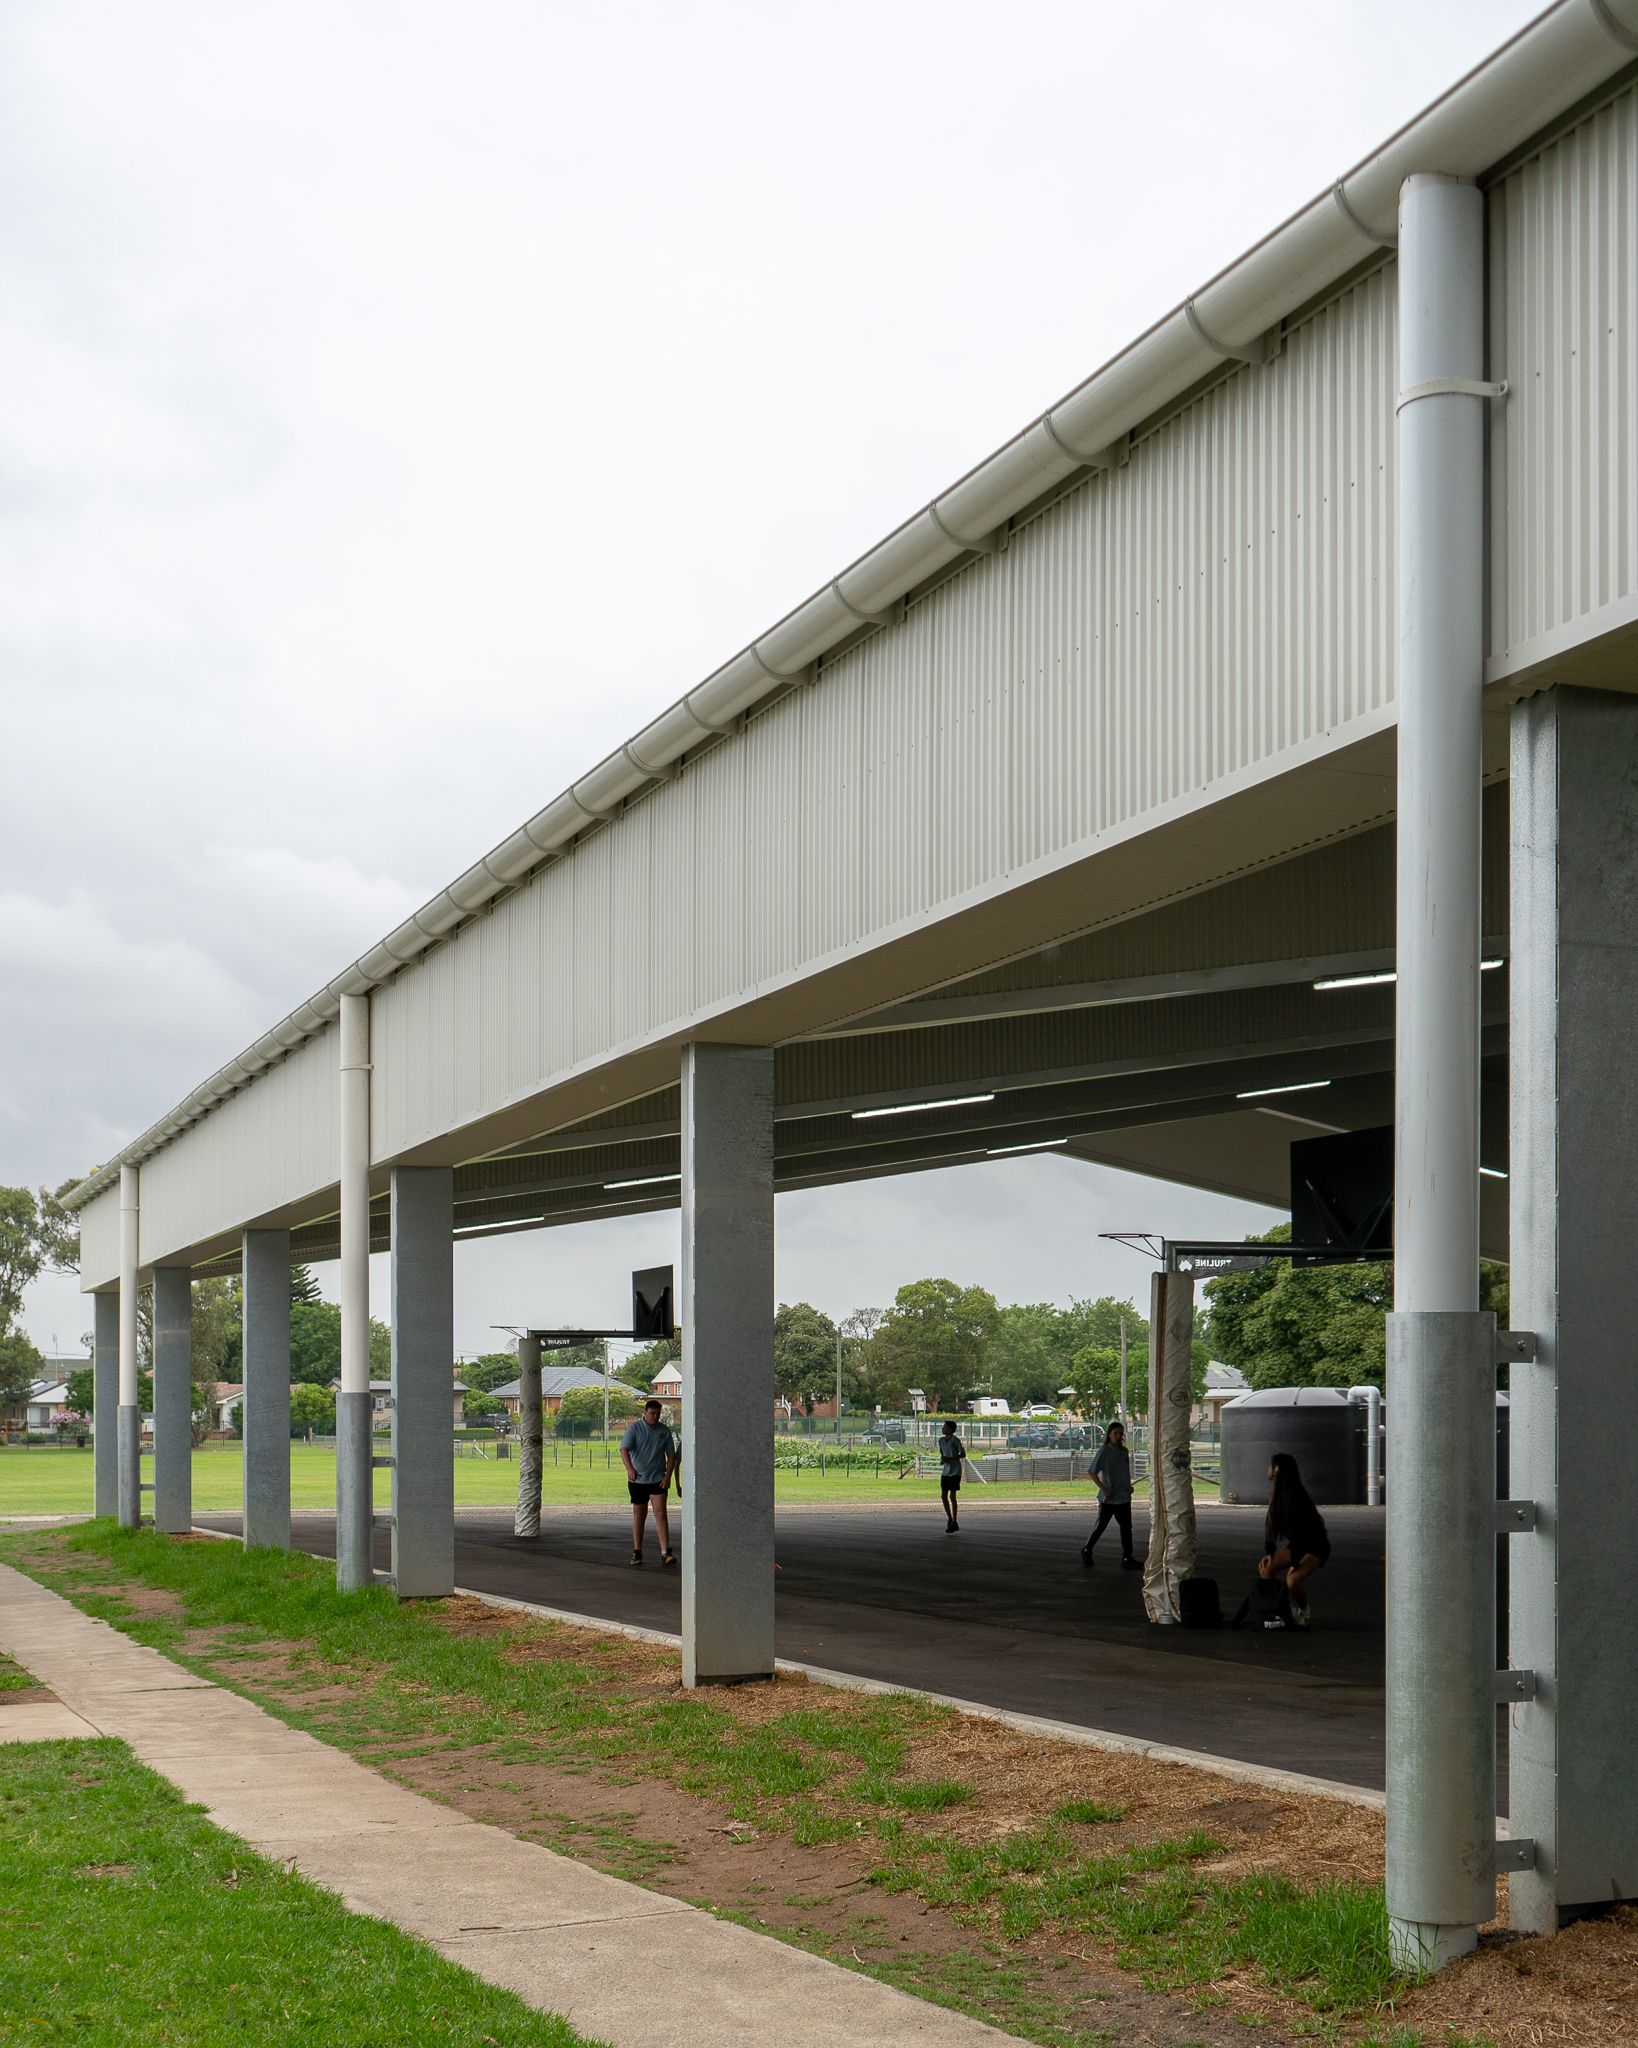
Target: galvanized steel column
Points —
{"points": [[173, 1399], [105, 1404], [1574, 1435], [423, 1380], [130, 1380], [354, 1476], [728, 1389], [265, 1401], [1441, 1540]]}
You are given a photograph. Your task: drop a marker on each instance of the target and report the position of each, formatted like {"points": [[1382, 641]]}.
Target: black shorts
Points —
{"points": [[949, 1482], [642, 1490]]}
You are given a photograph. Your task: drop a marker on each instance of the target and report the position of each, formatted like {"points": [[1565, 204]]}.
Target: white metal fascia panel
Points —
{"points": [[1564, 334], [99, 1241], [267, 1145], [1142, 637]]}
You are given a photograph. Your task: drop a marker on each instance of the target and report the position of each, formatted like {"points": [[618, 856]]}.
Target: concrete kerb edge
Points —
{"points": [[1267, 1775]]}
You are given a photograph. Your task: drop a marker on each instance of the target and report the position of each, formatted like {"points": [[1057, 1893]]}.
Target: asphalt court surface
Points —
{"points": [[1004, 1614]]}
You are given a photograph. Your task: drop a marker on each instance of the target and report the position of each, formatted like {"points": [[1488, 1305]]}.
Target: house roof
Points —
{"points": [[560, 1379]]}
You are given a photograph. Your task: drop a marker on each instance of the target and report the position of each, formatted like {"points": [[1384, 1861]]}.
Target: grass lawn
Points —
{"points": [[41, 1479], [127, 1918], [493, 1699]]}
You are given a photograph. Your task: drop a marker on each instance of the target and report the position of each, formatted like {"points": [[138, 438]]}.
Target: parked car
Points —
{"points": [[1039, 1436], [887, 1433], [1079, 1436]]}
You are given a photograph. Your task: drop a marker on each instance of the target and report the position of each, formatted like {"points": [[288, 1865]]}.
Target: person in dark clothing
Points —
{"points": [[1112, 1476], [1295, 1544], [952, 1454]]}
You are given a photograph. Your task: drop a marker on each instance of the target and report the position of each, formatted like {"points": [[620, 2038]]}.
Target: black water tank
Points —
{"points": [[1321, 1428]]}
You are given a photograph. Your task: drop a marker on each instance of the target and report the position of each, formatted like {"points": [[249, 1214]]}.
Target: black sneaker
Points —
{"points": [[1131, 1564], [636, 1557], [668, 1557], [1086, 1555]]}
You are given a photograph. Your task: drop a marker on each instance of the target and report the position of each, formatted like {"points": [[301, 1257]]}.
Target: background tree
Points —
{"points": [[21, 1255], [934, 1337], [492, 1370], [478, 1406], [315, 1344], [20, 1366], [80, 1391], [312, 1408], [1317, 1326], [804, 1353], [1029, 1357], [303, 1287], [581, 1410], [639, 1369], [1095, 1376]]}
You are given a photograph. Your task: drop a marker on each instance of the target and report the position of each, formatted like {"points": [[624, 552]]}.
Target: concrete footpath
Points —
{"points": [[561, 1935]]}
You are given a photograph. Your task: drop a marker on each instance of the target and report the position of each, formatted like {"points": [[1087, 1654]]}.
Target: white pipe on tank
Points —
{"points": [[1372, 1397]]}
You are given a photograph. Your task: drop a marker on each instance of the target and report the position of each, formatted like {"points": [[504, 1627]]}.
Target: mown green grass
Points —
{"points": [[821, 1771], [126, 1918], [45, 1479], [12, 1677]]}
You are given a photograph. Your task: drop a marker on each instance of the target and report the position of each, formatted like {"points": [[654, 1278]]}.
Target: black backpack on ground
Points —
{"points": [[1267, 1605], [1197, 1604]]}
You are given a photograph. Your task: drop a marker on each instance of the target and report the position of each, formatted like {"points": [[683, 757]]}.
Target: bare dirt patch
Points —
{"points": [[1577, 1989]]}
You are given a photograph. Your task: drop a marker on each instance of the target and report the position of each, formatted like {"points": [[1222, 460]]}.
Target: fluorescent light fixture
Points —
{"points": [[1494, 1172], [647, 1180], [1387, 974], [1285, 1088], [1037, 1145], [910, 1108], [1357, 980]]}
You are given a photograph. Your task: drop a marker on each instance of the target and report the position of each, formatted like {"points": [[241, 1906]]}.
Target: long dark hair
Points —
{"points": [[1291, 1510]]}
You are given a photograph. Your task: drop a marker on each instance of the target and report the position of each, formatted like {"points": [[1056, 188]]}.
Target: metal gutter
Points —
{"points": [[1550, 66]]}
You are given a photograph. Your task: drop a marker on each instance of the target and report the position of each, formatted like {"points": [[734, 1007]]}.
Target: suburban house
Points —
{"points": [[1223, 1384], [224, 1400], [381, 1401], [555, 1382]]}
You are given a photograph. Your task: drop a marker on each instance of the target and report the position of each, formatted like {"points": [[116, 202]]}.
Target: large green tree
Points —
{"points": [[312, 1408], [1313, 1326], [639, 1369], [21, 1255], [581, 1410], [492, 1369], [804, 1353], [934, 1337], [20, 1366], [315, 1344]]}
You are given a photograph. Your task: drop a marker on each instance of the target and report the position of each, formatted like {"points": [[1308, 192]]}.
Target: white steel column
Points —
{"points": [[728, 1389], [354, 1475], [130, 1379], [173, 1399], [531, 1435], [265, 1399], [1574, 1437], [105, 1404], [423, 1354], [1441, 1352]]}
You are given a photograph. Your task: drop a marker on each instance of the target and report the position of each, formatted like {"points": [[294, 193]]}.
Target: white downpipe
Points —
{"points": [[130, 1256], [1372, 1397], [355, 1194], [1440, 1538]]}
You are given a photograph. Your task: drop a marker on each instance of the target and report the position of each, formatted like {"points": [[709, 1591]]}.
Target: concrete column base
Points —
{"points": [[130, 1466], [355, 1561]]}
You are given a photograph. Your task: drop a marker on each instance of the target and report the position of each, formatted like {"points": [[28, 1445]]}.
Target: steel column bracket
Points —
{"points": [[1519, 1855], [381, 1521], [1513, 1686], [383, 1464], [1449, 387], [1516, 1347], [1515, 1517]]}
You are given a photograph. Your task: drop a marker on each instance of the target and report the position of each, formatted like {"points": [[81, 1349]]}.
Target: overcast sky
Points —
{"points": [[405, 401]]}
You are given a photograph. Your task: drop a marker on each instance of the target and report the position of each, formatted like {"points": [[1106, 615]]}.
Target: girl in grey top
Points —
{"points": [[1112, 1476]]}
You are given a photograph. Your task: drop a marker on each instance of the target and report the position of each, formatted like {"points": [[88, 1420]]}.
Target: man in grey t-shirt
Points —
{"points": [[648, 1451], [1112, 1476]]}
